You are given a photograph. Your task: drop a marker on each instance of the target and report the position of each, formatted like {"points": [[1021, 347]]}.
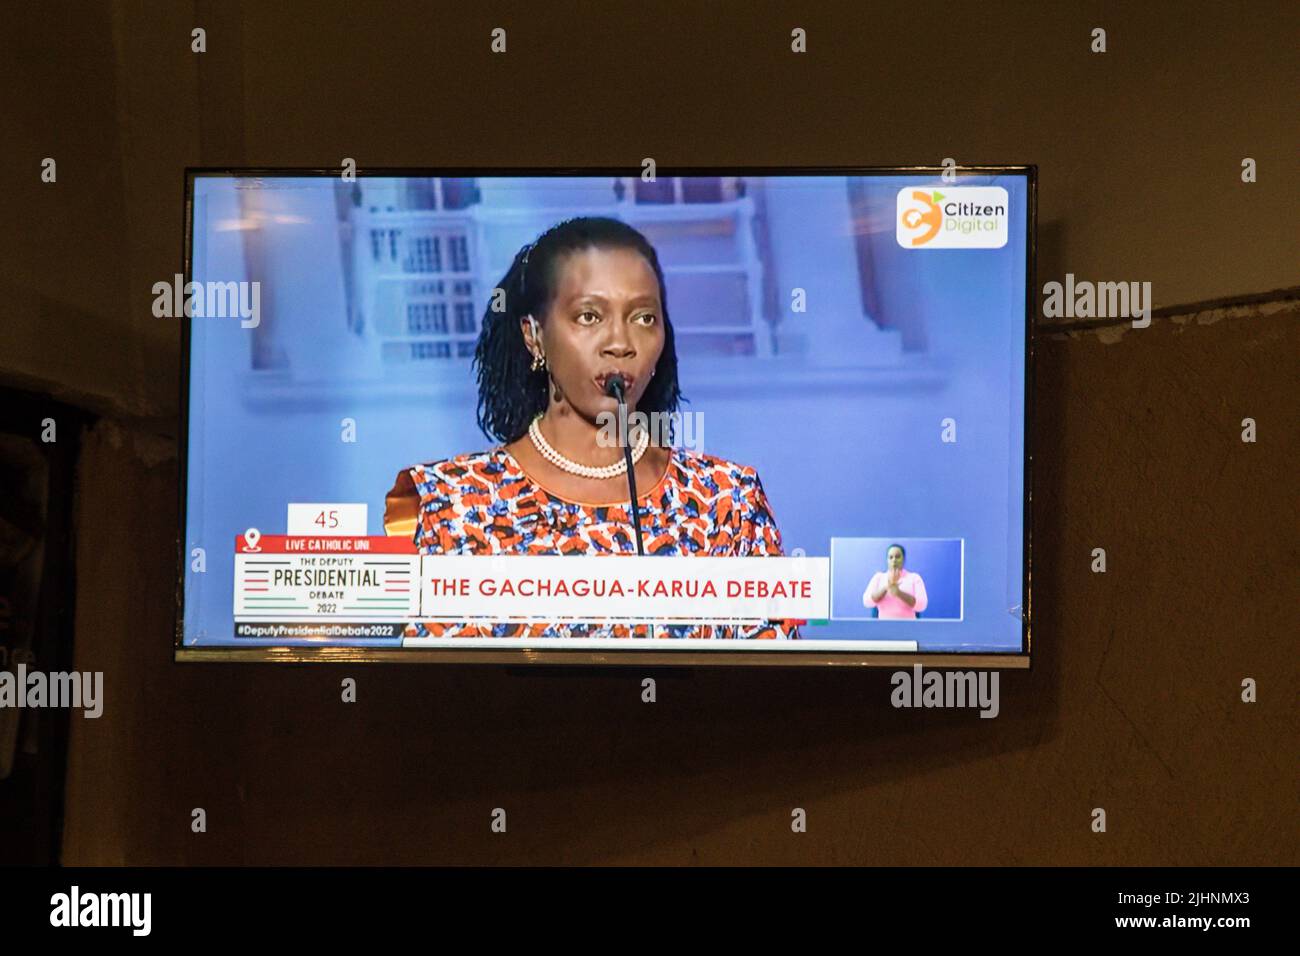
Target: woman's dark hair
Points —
{"points": [[899, 547], [510, 393]]}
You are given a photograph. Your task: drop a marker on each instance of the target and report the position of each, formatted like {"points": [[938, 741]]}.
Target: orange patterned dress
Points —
{"points": [[484, 503]]}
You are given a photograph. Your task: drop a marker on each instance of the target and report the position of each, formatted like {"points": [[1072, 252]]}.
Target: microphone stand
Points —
{"points": [[615, 388]]}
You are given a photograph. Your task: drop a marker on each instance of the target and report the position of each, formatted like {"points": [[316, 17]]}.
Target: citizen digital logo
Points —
{"points": [[958, 217]]}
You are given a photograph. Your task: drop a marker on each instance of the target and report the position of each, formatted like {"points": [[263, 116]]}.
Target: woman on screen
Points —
{"points": [[896, 593], [584, 302]]}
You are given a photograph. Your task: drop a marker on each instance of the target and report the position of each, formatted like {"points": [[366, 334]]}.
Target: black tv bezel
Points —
{"points": [[513, 656]]}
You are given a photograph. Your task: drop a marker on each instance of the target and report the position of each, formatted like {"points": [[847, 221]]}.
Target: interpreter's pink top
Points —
{"points": [[895, 607]]}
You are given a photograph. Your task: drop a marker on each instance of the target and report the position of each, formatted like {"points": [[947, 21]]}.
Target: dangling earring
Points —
{"points": [[539, 360]]}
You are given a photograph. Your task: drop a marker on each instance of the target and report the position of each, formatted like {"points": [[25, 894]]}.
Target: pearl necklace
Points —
{"points": [[585, 471]]}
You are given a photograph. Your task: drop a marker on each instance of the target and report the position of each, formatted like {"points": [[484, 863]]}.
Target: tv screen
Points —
{"points": [[418, 404]]}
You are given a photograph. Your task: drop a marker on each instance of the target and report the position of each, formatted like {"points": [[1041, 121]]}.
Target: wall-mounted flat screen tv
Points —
{"points": [[737, 416]]}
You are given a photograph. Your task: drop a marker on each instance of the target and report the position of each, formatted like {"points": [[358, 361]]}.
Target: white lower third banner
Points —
{"points": [[687, 590]]}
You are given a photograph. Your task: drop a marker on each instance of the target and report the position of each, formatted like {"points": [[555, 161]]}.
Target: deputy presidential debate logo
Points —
{"points": [[961, 217]]}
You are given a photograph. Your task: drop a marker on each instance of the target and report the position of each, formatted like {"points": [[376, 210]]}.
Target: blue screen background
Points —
{"points": [[839, 404]]}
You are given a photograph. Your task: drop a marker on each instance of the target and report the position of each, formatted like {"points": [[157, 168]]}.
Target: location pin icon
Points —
{"points": [[251, 537]]}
